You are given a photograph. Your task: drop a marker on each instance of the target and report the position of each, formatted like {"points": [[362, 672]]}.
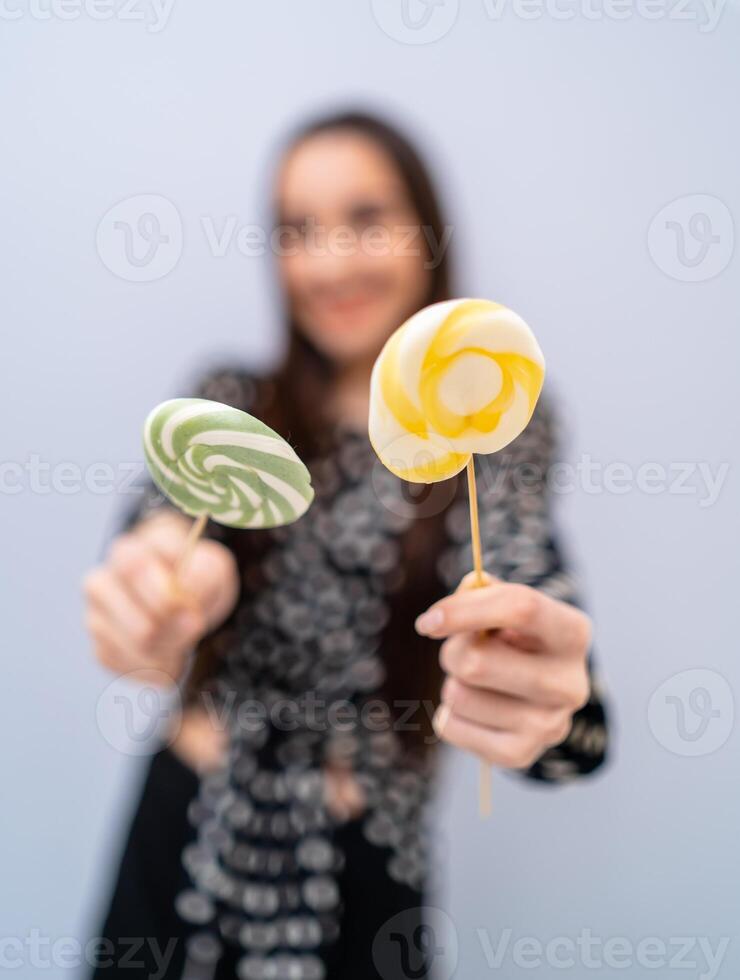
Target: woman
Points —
{"points": [[305, 830]]}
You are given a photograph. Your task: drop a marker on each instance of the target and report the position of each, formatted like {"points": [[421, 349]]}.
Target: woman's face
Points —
{"points": [[352, 256]]}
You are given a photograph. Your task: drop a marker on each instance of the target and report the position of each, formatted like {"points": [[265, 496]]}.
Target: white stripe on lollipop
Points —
{"points": [[177, 418], [245, 440], [209, 498], [252, 496], [291, 495], [192, 471], [256, 521], [230, 515], [210, 462], [173, 477]]}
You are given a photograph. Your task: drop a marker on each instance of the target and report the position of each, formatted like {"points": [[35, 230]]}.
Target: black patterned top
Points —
{"points": [[302, 667]]}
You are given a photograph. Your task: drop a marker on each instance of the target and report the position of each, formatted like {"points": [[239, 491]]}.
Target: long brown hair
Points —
{"points": [[412, 669]]}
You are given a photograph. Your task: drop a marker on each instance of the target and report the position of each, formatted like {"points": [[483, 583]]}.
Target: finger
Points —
{"points": [[147, 575], [490, 664], [493, 665], [489, 708], [130, 621], [507, 749], [113, 653], [136, 630], [211, 578], [167, 533], [502, 712], [110, 651], [472, 581], [106, 650], [500, 606]]}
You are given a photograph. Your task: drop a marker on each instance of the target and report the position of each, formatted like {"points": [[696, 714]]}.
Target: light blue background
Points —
{"points": [[557, 142]]}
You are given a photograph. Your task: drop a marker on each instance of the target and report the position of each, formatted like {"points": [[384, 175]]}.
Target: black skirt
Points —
{"points": [[143, 936]]}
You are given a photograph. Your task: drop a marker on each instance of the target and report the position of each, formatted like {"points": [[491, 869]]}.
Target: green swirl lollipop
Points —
{"points": [[214, 461]]}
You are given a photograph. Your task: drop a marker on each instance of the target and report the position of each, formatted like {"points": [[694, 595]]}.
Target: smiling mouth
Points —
{"points": [[349, 302], [346, 301]]}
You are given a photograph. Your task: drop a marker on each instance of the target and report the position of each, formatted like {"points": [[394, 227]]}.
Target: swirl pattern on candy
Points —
{"points": [[459, 377], [212, 459]]}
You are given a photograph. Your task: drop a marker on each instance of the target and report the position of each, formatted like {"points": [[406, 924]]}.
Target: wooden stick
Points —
{"points": [[187, 550], [474, 525], [485, 804]]}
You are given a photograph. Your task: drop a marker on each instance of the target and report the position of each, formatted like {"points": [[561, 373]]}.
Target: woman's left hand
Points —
{"points": [[516, 662]]}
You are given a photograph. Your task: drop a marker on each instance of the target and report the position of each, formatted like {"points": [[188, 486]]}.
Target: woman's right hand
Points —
{"points": [[138, 617]]}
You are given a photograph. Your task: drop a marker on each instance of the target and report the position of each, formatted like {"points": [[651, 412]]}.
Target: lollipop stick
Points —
{"points": [[474, 525], [187, 551], [485, 805]]}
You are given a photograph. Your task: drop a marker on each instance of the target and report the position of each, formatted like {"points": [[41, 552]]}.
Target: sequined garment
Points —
{"points": [[302, 668]]}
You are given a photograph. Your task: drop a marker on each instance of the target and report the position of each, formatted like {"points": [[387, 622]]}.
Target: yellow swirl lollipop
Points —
{"points": [[459, 377]]}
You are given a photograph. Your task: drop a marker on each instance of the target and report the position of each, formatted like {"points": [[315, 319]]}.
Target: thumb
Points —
{"points": [[470, 581], [210, 580], [473, 581], [166, 533]]}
